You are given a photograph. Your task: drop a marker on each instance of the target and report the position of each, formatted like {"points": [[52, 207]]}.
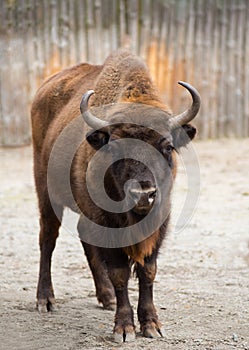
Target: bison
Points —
{"points": [[133, 138]]}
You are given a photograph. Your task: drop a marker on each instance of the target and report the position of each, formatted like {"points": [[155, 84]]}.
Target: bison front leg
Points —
{"points": [[147, 316], [119, 273], [49, 230]]}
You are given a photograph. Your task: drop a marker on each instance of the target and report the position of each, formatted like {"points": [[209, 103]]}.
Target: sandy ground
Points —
{"points": [[202, 286]]}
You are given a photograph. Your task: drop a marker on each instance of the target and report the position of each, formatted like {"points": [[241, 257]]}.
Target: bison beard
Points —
{"points": [[125, 105]]}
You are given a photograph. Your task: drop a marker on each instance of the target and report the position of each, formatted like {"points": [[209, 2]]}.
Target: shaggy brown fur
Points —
{"points": [[123, 89]]}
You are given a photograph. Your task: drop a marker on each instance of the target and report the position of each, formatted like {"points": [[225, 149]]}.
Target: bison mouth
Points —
{"points": [[141, 211]]}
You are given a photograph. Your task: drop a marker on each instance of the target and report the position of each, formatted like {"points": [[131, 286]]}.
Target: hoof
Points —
{"points": [[118, 338], [152, 331], [46, 305], [130, 337], [111, 305], [125, 334]]}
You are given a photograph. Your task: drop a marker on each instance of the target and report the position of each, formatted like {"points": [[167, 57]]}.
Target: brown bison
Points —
{"points": [[133, 138]]}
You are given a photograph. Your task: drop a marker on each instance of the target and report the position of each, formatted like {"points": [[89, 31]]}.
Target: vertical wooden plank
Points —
{"points": [[38, 42], [64, 33], [29, 58], [222, 100], [46, 37], [199, 53], [160, 52], [181, 95], [72, 48], [213, 57], [121, 13], [7, 118], [164, 48], [207, 85], [239, 76], [105, 24], [126, 17], [32, 44], [114, 26], [124, 24], [145, 28], [230, 78], [22, 59], [54, 54], [132, 13], [82, 43], [3, 59], [139, 25], [246, 73], [171, 54], [2, 18], [189, 42], [76, 10], [112, 36], [155, 33], [98, 31], [90, 23], [9, 122], [153, 41], [86, 28]]}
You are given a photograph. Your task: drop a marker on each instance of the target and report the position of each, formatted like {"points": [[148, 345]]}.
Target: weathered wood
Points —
{"points": [[245, 85], [203, 42]]}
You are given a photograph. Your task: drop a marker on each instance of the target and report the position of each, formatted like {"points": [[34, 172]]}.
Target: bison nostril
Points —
{"points": [[152, 194]]}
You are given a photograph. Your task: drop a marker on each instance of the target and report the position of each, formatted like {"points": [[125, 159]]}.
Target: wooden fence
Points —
{"points": [[204, 42]]}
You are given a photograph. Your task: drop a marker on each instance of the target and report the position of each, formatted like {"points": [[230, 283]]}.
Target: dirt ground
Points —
{"points": [[202, 285]]}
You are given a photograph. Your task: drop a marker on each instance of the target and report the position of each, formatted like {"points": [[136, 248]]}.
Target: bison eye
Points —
{"points": [[167, 149]]}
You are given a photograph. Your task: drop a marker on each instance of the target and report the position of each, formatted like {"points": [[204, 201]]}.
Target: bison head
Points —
{"points": [[139, 142]]}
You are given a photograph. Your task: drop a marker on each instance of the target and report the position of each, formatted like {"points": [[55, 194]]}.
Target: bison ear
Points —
{"points": [[97, 139], [183, 135]]}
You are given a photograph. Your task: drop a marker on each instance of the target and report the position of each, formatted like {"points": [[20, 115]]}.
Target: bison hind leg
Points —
{"points": [[104, 287], [49, 231]]}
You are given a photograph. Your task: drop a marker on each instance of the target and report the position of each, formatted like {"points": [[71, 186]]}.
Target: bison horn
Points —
{"points": [[89, 118], [190, 113]]}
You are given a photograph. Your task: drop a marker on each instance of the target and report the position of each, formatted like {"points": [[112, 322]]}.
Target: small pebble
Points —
{"points": [[235, 337]]}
